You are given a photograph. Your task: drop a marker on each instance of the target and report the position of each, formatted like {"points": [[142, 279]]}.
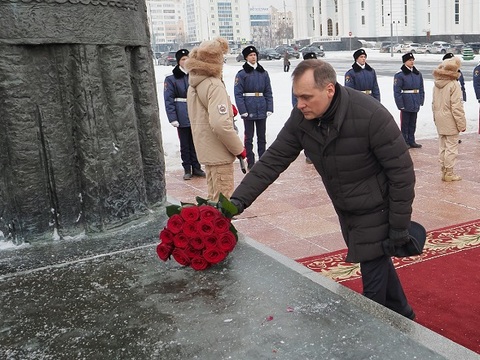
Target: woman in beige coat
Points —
{"points": [[211, 117], [448, 114]]}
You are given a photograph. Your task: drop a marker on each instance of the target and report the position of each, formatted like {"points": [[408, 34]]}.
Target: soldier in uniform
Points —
{"points": [[254, 99], [409, 95], [361, 76]]}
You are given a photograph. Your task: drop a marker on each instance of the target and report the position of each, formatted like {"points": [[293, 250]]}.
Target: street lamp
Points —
{"points": [[391, 30], [396, 22]]}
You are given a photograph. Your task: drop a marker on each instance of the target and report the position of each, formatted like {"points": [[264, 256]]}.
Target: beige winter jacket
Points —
{"points": [[447, 106], [209, 106]]}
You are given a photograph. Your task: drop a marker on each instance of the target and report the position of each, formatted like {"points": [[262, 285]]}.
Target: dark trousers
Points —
{"points": [[286, 67], [187, 149], [382, 285], [250, 125], [408, 125]]}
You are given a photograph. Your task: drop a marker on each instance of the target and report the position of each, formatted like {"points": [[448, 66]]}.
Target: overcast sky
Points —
{"points": [[276, 3]]}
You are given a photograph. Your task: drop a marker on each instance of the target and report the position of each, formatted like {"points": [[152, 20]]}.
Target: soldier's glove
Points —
{"points": [[175, 123]]}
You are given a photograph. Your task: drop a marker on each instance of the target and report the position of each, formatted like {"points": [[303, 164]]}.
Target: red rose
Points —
{"points": [[164, 251], [190, 229], [227, 241], [197, 243], [191, 252], [175, 223], [199, 263], [213, 255], [166, 236], [208, 213], [180, 240], [181, 257], [190, 213], [205, 228], [210, 241], [222, 224]]}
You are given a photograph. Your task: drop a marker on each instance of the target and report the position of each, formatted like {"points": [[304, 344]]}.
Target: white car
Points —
{"points": [[426, 49], [410, 48]]}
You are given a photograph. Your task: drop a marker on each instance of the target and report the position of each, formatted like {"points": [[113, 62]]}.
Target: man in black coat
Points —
{"points": [[359, 151]]}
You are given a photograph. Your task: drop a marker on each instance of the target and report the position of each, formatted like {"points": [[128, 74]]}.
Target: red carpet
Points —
{"points": [[442, 284]]}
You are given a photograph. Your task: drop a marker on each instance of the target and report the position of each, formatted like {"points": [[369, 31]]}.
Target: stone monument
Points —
{"points": [[80, 138]]}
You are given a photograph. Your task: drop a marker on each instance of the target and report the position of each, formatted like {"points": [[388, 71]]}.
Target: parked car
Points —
{"points": [[426, 49], [410, 47], [269, 54], [168, 59], [308, 49], [442, 47], [456, 48], [239, 57], [292, 53], [475, 47]]}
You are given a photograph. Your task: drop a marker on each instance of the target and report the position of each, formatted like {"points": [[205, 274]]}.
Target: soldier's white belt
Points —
{"points": [[368, 92], [253, 94], [180, 100], [412, 91]]}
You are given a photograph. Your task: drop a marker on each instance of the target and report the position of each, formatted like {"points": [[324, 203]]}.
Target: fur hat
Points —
{"points": [[248, 50], [448, 69], [448, 56], [359, 52], [181, 53], [310, 55], [207, 58], [407, 57]]}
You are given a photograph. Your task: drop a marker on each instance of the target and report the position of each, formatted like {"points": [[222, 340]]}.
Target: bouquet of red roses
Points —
{"points": [[198, 235]]}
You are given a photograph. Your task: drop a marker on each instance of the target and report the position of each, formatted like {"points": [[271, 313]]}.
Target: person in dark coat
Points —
{"points": [[361, 76], [175, 97], [461, 79], [310, 55], [361, 156], [254, 100], [409, 95], [286, 62], [476, 87]]}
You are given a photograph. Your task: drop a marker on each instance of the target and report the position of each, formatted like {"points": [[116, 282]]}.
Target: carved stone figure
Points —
{"points": [[80, 139]]}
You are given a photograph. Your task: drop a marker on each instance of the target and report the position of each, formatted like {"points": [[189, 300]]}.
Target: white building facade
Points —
{"points": [[406, 19]]}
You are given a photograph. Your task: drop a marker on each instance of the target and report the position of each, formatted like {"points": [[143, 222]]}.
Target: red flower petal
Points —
{"points": [[208, 213], [213, 255], [199, 263], [175, 223], [227, 241], [205, 228], [166, 236], [222, 224], [197, 243], [180, 240], [190, 213], [164, 251], [181, 257]]}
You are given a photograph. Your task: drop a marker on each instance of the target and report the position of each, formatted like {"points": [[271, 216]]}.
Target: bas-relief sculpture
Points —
{"points": [[80, 139]]}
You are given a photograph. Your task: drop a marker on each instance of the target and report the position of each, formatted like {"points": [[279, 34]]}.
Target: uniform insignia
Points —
{"points": [[165, 85], [236, 80], [476, 73], [347, 79], [222, 109], [395, 81]]}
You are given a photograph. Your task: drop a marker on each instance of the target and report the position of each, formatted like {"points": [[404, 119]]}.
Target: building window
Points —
{"points": [[457, 12], [329, 27], [336, 29], [406, 12], [363, 19], [362, 5]]}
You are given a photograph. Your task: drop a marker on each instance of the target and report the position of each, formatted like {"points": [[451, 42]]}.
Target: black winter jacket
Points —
{"points": [[364, 164]]}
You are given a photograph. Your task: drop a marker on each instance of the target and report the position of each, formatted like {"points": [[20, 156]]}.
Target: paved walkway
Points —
{"points": [[295, 216]]}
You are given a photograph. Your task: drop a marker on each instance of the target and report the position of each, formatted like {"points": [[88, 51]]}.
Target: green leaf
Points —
{"points": [[201, 201], [173, 209], [228, 209]]}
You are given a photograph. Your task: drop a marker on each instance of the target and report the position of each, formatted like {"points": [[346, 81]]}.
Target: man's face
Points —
{"points": [[312, 101], [252, 58], [410, 63], [182, 61], [362, 59]]}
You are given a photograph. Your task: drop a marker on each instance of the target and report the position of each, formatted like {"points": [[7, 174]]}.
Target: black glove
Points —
{"points": [[399, 237], [238, 204], [396, 238]]}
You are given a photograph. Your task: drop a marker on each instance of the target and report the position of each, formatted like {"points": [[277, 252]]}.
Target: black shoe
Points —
{"points": [[188, 175], [415, 146], [199, 173], [307, 160], [410, 315]]}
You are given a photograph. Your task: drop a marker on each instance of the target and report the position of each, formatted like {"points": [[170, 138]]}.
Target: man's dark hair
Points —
{"points": [[323, 72]]}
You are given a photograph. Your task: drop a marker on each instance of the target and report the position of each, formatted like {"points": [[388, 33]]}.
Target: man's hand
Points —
{"points": [[243, 154], [244, 115], [238, 204], [175, 123], [399, 237]]}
